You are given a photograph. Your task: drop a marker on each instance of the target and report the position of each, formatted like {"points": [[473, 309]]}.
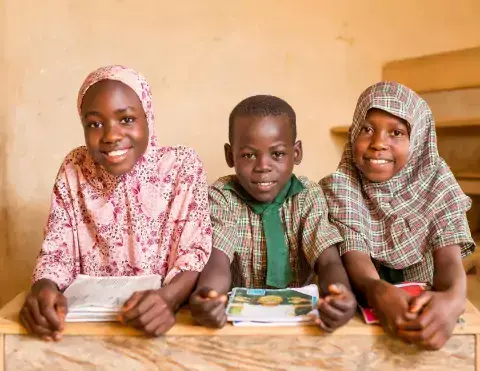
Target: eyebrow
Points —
{"points": [[247, 146], [117, 111]]}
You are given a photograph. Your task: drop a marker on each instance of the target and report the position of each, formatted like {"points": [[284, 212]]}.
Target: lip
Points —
{"points": [[264, 186], [117, 155]]}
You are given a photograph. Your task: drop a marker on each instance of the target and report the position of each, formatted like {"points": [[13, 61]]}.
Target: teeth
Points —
{"points": [[117, 153], [265, 183], [379, 161]]}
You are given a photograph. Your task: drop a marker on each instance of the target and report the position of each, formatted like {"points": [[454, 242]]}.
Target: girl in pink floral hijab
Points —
{"points": [[122, 206]]}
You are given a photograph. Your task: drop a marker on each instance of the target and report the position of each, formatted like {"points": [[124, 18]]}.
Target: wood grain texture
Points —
{"points": [[185, 325], [236, 352]]}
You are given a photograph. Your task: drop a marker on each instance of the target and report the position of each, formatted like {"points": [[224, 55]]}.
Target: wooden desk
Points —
{"points": [[111, 346]]}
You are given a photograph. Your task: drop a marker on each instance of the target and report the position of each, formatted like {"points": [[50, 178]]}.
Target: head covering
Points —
{"points": [[419, 209], [152, 220]]}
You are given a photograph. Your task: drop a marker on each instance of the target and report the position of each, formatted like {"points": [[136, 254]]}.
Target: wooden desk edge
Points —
{"points": [[186, 326]]}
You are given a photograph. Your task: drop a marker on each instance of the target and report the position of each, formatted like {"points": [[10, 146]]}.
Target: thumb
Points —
{"points": [[62, 308], [337, 289], [206, 293], [420, 301], [132, 301]]}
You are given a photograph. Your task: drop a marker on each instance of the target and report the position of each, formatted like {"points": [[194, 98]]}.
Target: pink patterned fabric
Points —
{"points": [[152, 220]]}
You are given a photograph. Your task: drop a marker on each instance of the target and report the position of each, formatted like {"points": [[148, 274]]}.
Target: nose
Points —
{"points": [[112, 133], [379, 141], [262, 164]]}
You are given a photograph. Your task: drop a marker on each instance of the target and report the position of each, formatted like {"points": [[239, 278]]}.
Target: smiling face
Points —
{"points": [[381, 149], [115, 126], [263, 153]]}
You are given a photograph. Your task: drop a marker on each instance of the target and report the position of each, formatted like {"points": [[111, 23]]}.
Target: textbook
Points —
{"points": [[100, 299], [265, 307], [413, 288]]}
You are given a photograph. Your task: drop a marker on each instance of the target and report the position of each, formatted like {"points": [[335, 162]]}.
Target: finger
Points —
{"points": [[204, 292], [35, 328], [166, 325], [212, 294], [327, 310], [62, 310], [153, 325], [146, 318], [209, 305], [142, 306], [217, 316], [437, 341], [420, 301], [34, 310], [133, 300], [322, 325], [337, 289], [25, 322], [343, 303], [421, 322]]}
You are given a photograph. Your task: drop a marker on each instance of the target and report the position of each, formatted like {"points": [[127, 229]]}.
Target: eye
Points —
{"points": [[94, 125], [127, 120], [248, 156], [278, 154], [397, 133], [367, 129]]}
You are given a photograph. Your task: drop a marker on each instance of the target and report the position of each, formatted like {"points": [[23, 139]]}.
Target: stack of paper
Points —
{"points": [[100, 299], [284, 307]]}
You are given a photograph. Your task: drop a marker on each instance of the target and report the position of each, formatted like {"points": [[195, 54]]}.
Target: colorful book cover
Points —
{"points": [[413, 288], [265, 305]]}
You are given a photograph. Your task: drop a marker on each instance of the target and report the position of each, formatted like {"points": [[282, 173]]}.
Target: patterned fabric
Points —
{"points": [[152, 220], [238, 232], [422, 208], [279, 271]]}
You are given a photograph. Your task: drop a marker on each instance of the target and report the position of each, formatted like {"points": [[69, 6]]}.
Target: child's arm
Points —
{"points": [[338, 304], [439, 309], [208, 301]]}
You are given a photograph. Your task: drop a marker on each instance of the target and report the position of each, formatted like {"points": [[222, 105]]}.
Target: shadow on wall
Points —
{"points": [[22, 243]]}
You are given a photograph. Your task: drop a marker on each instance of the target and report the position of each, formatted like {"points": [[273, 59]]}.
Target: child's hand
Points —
{"points": [[208, 308], [148, 311], [391, 305], [44, 311], [337, 308], [439, 312]]}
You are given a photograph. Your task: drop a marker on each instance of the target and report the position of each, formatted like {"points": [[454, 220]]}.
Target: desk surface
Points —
{"points": [[185, 325]]}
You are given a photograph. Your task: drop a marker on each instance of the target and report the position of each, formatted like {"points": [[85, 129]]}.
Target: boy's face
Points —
{"points": [[115, 126], [263, 153], [381, 149]]}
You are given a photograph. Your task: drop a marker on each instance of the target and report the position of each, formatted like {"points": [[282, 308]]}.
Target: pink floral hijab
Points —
{"points": [[152, 220]]}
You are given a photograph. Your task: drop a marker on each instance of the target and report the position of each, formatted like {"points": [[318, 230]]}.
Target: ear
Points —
{"points": [[228, 155], [297, 152]]}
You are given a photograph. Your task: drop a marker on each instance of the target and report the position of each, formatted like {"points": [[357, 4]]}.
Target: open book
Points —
{"points": [[413, 288], [100, 299], [259, 307]]}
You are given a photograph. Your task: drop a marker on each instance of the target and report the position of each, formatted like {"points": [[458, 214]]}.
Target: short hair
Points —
{"points": [[263, 106]]}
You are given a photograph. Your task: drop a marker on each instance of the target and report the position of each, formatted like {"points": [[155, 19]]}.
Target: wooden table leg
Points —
{"points": [[477, 352], [2, 352]]}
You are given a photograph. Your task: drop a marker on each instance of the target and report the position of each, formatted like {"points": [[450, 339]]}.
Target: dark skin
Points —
{"points": [[429, 319], [113, 120], [263, 154]]}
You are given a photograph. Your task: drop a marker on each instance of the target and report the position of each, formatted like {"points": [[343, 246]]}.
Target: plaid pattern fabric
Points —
{"points": [[238, 232], [399, 223]]}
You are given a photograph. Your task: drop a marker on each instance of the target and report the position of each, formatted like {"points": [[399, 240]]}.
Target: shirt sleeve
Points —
{"points": [[452, 229], [318, 233], [223, 223], [56, 260], [192, 239]]}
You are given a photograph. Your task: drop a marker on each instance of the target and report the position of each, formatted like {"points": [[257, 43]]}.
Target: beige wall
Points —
{"points": [[201, 58]]}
